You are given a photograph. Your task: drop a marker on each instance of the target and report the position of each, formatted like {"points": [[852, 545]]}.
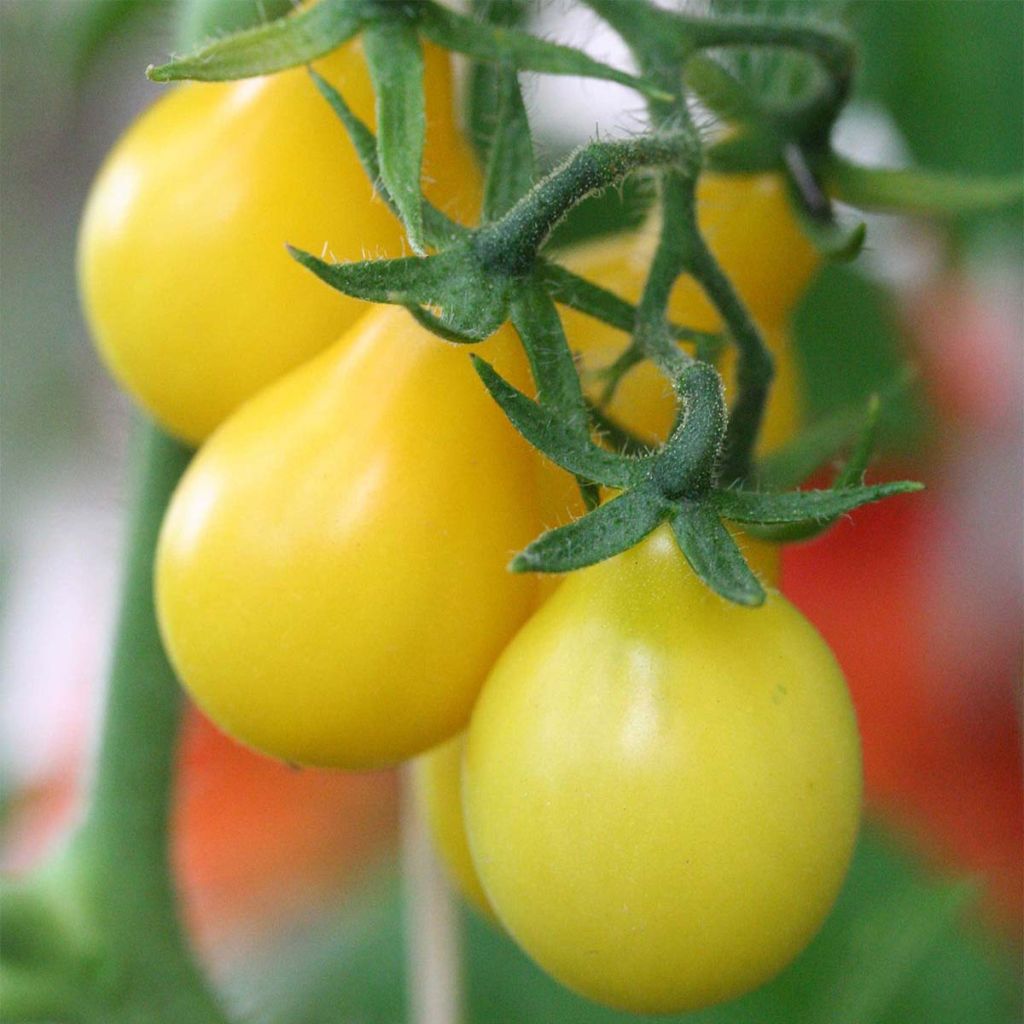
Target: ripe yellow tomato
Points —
{"points": [[438, 773], [331, 575], [437, 783], [193, 301], [662, 790], [751, 230]]}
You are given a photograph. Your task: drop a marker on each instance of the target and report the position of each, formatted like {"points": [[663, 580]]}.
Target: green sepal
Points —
{"points": [[809, 508], [287, 42], [546, 431], [438, 227], [500, 45], [615, 526], [466, 302], [918, 190], [536, 320], [395, 61], [714, 556], [202, 20], [838, 243], [750, 151], [851, 475], [511, 168]]}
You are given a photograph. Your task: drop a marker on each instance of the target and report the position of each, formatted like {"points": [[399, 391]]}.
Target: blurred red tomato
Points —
{"points": [[941, 755]]}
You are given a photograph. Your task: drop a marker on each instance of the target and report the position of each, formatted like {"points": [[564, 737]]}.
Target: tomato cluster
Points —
{"points": [[658, 791]]}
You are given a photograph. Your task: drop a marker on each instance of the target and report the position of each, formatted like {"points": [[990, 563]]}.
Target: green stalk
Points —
{"points": [[123, 842], [93, 935]]}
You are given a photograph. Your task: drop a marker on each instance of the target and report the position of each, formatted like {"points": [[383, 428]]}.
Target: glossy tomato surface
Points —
{"points": [[191, 295], [662, 789], [331, 575]]}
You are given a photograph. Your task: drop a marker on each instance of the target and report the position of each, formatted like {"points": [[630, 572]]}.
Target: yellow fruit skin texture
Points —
{"points": [[331, 581], [437, 781], [438, 773], [750, 228], [191, 296], [662, 790]]}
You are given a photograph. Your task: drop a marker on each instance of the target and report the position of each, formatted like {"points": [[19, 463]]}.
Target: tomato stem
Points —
{"points": [[126, 955]]}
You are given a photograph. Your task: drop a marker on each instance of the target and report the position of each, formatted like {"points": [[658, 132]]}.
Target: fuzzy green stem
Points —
{"points": [[123, 842], [96, 928], [686, 466], [755, 367], [510, 245]]}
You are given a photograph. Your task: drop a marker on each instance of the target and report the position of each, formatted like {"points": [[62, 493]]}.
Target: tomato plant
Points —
{"points": [[662, 789], [540, 493]]}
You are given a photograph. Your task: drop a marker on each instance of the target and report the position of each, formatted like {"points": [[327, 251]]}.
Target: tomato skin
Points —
{"points": [[437, 774], [662, 790], [331, 575], [192, 298], [437, 781]]}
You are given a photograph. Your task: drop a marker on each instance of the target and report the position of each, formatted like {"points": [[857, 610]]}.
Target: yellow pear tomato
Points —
{"points": [[437, 784], [331, 575], [438, 773], [662, 790], [191, 296]]}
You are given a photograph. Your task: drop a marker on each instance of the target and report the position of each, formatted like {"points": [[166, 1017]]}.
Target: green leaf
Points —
{"points": [[499, 45], [913, 927], [438, 227], [805, 507], [720, 91], [449, 286], [296, 39], [714, 556], [547, 431], [510, 164], [919, 191], [789, 466], [615, 526], [395, 60]]}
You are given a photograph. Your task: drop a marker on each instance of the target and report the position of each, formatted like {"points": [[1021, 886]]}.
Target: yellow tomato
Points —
{"points": [[194, 302], [438, 788], [331, 575], [751, 230], [662, 790], [438, 773]]}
